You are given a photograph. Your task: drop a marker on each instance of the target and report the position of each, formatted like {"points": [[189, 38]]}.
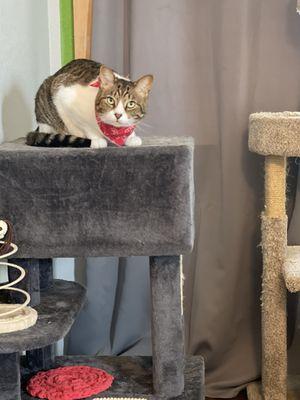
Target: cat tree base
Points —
{"points": [[138, 377], [133, 376]]}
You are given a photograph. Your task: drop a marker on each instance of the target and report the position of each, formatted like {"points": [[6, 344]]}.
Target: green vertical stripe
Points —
{"points": [[66, 31]]}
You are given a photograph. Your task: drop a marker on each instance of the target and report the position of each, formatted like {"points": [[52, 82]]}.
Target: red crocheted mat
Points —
{"points": [[69, 383]]}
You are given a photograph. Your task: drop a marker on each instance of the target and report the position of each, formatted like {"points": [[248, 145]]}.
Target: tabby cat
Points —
{"points": [[86, 104]]}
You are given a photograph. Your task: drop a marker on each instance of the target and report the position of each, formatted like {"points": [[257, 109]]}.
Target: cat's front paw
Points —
{"points": [[98, 143], [133, 141]]}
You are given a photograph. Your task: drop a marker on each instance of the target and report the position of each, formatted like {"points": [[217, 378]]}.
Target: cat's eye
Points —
{"points": [[131, 104], [110, 100]]}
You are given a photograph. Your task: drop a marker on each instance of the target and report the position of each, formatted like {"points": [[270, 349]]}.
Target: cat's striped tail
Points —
{"points": [[42, 139]]}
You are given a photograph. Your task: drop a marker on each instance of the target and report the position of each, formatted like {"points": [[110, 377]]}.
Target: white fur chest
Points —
{"points": [[76, 107]]}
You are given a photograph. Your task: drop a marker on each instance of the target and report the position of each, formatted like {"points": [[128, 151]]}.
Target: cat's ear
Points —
{"points": [[143, 85], [106, 77]]}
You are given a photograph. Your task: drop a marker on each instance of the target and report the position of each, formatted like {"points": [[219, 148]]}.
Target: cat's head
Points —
{"points": [[121, 102]]}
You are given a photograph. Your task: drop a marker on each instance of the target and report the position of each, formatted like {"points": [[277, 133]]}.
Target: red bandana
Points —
{"points": [[95, 83], [114, 134]]}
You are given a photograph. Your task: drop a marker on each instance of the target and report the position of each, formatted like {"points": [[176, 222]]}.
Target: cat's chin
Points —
{"points": [[118, 125]]}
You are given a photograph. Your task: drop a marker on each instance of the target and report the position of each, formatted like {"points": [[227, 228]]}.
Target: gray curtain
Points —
{"points": [[115, 318], [214, 62]]}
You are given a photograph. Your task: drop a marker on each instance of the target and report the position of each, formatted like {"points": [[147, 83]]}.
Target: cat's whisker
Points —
{"points": [[145, 124], [139, 127], [143, 129]]}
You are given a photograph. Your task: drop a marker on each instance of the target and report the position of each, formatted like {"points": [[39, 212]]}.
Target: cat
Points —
{"points": [[86, 104]]}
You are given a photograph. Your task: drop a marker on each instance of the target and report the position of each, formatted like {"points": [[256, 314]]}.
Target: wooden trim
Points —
{"points": [[126, 37], [83, 19]]}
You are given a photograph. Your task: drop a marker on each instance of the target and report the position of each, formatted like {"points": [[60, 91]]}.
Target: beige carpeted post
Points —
{"points": [[274, 242]]}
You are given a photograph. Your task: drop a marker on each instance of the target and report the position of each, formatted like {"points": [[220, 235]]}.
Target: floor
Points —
{"points": [[241, 396]]}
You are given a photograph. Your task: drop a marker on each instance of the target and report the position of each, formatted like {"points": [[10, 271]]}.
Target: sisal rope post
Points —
{"points": [[274, 319], [275, 186]]}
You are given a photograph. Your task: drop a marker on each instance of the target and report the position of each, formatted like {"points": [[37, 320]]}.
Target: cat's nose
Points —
{"points": [[118, 116]]}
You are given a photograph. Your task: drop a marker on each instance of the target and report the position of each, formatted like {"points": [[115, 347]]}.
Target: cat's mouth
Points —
{"points": [[121, 124], [116, 122]]}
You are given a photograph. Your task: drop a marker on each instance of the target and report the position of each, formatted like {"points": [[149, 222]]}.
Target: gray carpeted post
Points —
{"points": [[167, 325], [10, 387], [40, 359], [31, 282], [46, 273]]}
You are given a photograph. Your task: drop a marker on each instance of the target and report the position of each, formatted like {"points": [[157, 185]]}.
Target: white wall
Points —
{"points": [[24, 63], [29, 52]]}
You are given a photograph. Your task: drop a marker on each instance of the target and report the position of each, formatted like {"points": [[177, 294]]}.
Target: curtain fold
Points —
{"points": [[214, 63]]}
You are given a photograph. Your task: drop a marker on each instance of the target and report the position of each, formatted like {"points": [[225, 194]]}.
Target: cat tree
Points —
{"points": [[108, 202], [275, 136]]}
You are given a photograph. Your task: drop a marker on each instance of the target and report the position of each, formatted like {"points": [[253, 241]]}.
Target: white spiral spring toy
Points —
{"points": [[14, 317]]}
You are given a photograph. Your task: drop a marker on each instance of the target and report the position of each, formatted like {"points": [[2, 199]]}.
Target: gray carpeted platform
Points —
{"points": [[56, 314], [133, 376], [70, 202]]}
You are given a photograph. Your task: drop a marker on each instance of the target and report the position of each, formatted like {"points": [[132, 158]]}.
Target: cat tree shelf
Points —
{"points": [[56, 314], [107, 202]]}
